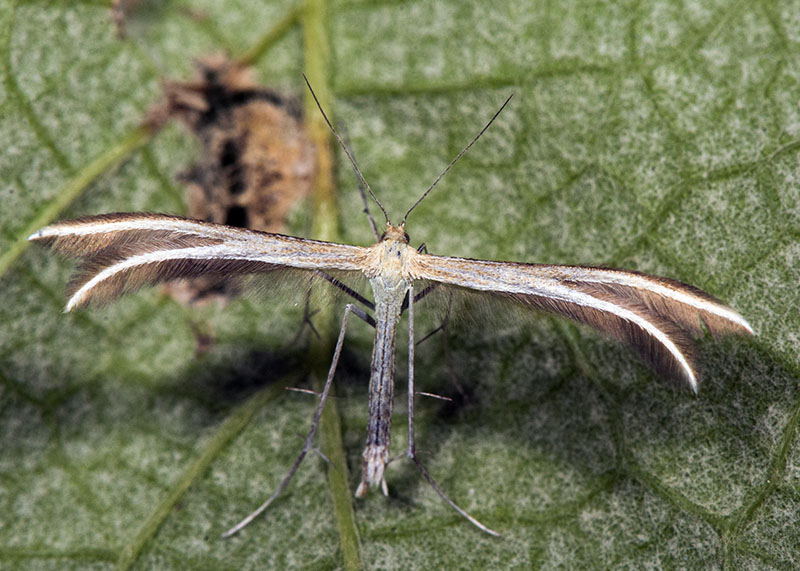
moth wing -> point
(122, 252)
(658, 317)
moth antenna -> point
(364, 199)
(347, 151)
(371, 220)
(461, 154)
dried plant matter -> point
(257, 161)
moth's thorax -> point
(392, 257)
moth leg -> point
(420, 296)
(412, 448)
(308, 444)
(445, 344)
(442, 326)
(363, 315)
(308, 313)
(348, 290)
(361, 190)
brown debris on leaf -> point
(257, 160)
(119, 10)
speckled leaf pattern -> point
(660, 136)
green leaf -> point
(661, 136)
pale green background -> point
(661, 136)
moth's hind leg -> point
(411, 451)
(308, 444)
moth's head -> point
(395, 233)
